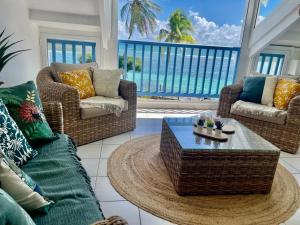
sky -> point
(215, 22)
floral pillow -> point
(12, 141)
(286, 89)
(25, 107)
(79, 79)
(22, 188)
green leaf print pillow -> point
(25, 107)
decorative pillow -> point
(11, 213)
(22, 188)
(286, 89)
(269, 89)
(106, 82)
(79, 79)
(63, 67)
(12, 141)
(253, 89)
(25, 107)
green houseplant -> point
(5, 45)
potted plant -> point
(200, 123)
(209, 125)
(219, 126)
(5, 45)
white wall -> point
(14, 16)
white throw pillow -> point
(269, 89)
(106, 82)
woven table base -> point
(138, 173)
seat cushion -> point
(99, 106)
(259, 112)
(63, 179)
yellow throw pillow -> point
(286, 89)
(79, 79)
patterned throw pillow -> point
(79, 79)
(286, 89)
(11, 213)
(22, 188)
(25, 107)
(12, 141)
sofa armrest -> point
(228, 96)
(293, 116)
(53, 91)
(54, 115)
(127, 90)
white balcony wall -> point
(14, 16)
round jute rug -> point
(138, 173)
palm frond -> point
(5, 46)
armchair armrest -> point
(228, 96)
(54, 115)
(293, 116)
(127, 90)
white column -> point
(108, 15)
(244, 66)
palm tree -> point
(140, 14)
(179, 30)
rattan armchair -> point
(286, 137)
(84, 131)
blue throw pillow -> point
(253, 89)
(12, 141)
(11, 213)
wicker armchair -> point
(286, 136)
(84, 131)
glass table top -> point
(243, 138)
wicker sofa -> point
(285, 136)
(87, 130)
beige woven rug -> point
(138, 173)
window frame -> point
(68, 35)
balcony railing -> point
(167, 69)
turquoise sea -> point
(157, 76)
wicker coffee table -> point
(244, 164)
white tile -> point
(294, 220)
(102, 171)
(107, 150)
(149, 219)
(89, 151)
(289, 155)
(288, 166)
(91, 166)
(117, 140)
(122, 208)
(294, 162)
(297, 176)
(105, 191)
(93, 182)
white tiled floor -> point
(94, 159)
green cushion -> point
(253, 89)
(12, 141)
(25, 107)
(63, 179)
(11, 213)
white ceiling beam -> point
(274, 25)
(41, 16)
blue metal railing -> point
(168, 69)
(269, 63)
(69, 51)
